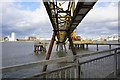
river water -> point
(14, 53)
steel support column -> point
(49, 50)
(71, 45)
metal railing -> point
(98, 67)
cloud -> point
(101, 20)
(18, 20)
(20, 0)
(102, 14)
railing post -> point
(78, 69)
(115, 65)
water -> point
(14, 53)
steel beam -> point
(49, 50)
(47, 6)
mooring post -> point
(34, 48)
(78, 46)
(49, 50)
(83, 46)
(86, 46)
(97, 47)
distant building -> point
(1, 38)
(32, 38)
(112, 37)
(13, 37)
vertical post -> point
(83, 46)
(97, 47)
(75, 45)
(34, 48)
(86, 46)
(74, 53)
(65, 48)
(115, 59)
(78, 69)
(78, 46)
(110, 46)
(57, 47)
(49, 50)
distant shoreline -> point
(49, 41)
(25, 41)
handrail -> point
(81, 63)
(101, 44)
(90, 54)
(47, 62)
(70, 66)
(98, 58)
(59, 69)
(34, 64)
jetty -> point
(85, 44)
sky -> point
(27, 18)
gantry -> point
(65, 21)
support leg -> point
(49, 51)
(71, 45)
(78, 46)
(65, 48)
(57, 48)
(34, 49)
(60, 46)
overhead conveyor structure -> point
(65, 21)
